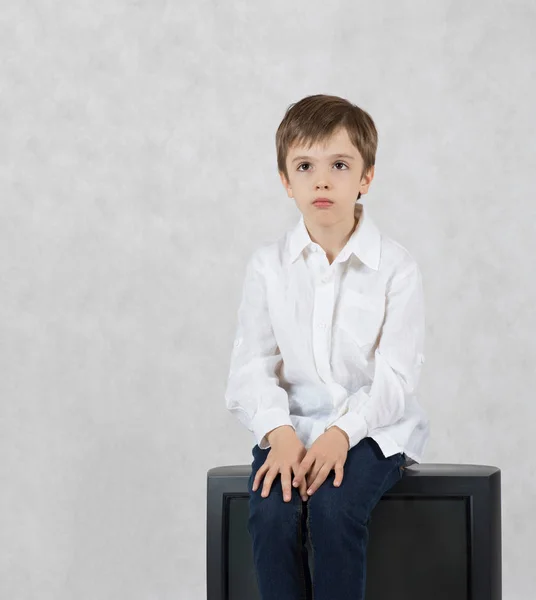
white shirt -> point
(318, 345)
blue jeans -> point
(335, 519)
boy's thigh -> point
(368, 474)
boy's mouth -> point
(320, 202)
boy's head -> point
(312, 131)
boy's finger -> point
(313, 473)
(302, 484)
(339, 473)
(260, 474)
(269, 478)
(302, 469)
(285, 484)
(303, 490)
(320, 478)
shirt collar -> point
(365, 241)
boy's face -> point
(322, 174)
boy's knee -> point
(273, 511)
(330, 506)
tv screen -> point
(435, 534)
(422, 545)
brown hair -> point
(315, 118)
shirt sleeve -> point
(398, 361)
(253, 393)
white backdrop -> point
(137, 175)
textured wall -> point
(138, 173)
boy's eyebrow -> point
(332, 156)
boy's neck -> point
(333, 239)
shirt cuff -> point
(266, 421)
(354, 425)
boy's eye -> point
(308, 164)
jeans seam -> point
(312, 546)
(300, 544)
(369, 510)
(402, 465)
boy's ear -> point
(366, 180)
(285, 183)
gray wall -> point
(138, 173)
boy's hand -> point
(329, 451)
(285, 455)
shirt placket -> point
(322, 316)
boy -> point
(326, 361)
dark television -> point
(438, 530)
